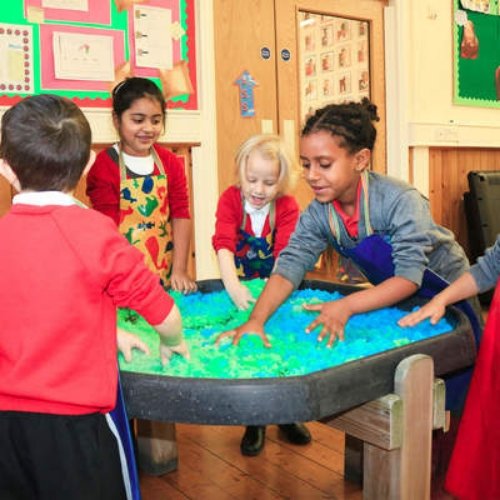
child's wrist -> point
(172, 340)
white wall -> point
(423, 114)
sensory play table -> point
(390, 401)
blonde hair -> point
(271, 147)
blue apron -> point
(254, 257)
(373, 256)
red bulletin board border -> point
(95, 15)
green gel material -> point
(293, 352)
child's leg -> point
(58, 457)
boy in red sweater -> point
(65, 269)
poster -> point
(81, 49)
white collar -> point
(250, 210)
(42, 198)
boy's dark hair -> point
(350, 121)
(46, 141)
(131, 89)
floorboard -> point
(212, 467)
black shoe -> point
(296, 433)
(253, 440)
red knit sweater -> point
(229, 217)
(64, 271)
(103, 185)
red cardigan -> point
(64, 271)
(103, 185)
(229, 217)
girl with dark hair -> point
(382, 224)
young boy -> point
(64, 271)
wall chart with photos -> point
(334, 60)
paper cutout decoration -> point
(121, 72)
(246, 83)
(470, 44)
(176, 81)
(126, 4)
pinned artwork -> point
(476, 55)
(246, 84)
(82, 48)
(16, 59)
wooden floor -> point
(212, 467)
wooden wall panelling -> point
(5, 196)
(448, 169)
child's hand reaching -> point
(181, 282)
(167, 351)
(250, 327)
(240, 295)
(435, 310)
(333, 316)
(128, 341)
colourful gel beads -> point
(293, 352)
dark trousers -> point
(52, 457)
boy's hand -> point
(240, 295)
(181, 282)
(167, 351)
(251, 327)
(434, 310)
(128, 341)
(333, 316)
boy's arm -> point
(181, 235)
(171, 336)
(275, 292)
(463, 288)
(239, 293)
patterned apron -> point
(254, 254)
(145, 217)
(373, 256)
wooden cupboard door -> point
(325, 52)
(244, 41)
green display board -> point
(80, 49)
(476, 53)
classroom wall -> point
(420, 110)
(419, 47)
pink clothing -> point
(229, 217)
(103, 185)
(64, 271)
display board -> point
(81, 49)
(476, 54)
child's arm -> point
(180, 280)
(171, 337)
(463, 288)
(275, 292)
(128, 341)
(334, 315)
(239, 293)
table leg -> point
(156, 447)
